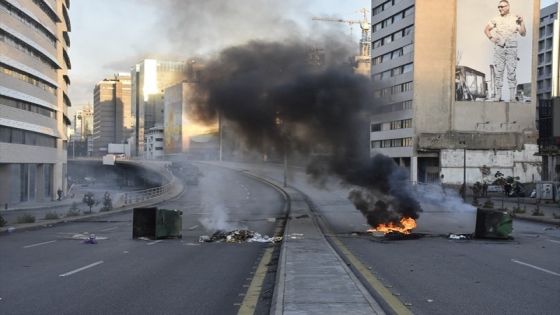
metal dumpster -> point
(493, 223)
(154, 223)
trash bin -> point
(493, 223)
(154, 223)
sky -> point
(111, 36)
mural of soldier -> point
(503, 30)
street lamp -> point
(464, 189)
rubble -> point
(238, 236)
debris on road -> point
(87, 236)
(238, 236)
(453, 236)
(91, 239)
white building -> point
(153, 150)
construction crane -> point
(363, 60)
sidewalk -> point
(525, 208)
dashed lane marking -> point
(39, 244)
(553, 241)
(154, 242)
(109, 229)
(536, 267)
(81, 269)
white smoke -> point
(217, 218)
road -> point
(49, 271)
(437, 275)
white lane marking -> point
(109, 229)
(81, 269)
(194, 227)
(536, 267)
(39, 244)
(154, 242)
(553, 241)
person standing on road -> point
(502, 30)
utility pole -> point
(464, 188)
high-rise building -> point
(82, 123)
(545, 60)
(149, 79)
(445, 80)
(182, 133)
(34, 103)
(112, 120)
(548, 91)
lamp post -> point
(464, 189)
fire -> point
(405, 226)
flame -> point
(405, 226)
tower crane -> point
(363, 60)
(365, 41)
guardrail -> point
(139, 196)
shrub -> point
(537, 212)
(25, 218)
(519, 210)
(556, 215)
(51, 216)
(2, 221)
(73, 211)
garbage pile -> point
(238, 236)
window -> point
(20, 45)
(407, 68)
(397, 124)
(27, 106)
(20, 75)
(407, 49)
(25, 19)
(375, 127)
(396, 143)
(386, 144)
(375, 144)
(407, 123)
(407, 104)
(407, 142)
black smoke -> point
(305, 97)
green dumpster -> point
(154, 223)
(493, 223)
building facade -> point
(182, 133)
(443, 107)
(81, 132)
(548, 86)
(153, 150)
(112, 119)
(545, 60)
(149, 80)
(34, 102)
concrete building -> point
(182, 133)
(435, 108)
(34, 103)
(82, 123)
(545, 60)
(153, 150)
(112, 122)
(548, 87)
(81, 132)
(149, 80)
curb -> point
(537, 219)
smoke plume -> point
(304, 97)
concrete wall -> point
(482, 165)
(435, 110)
(434, 61)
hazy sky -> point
(109, 36)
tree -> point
(89, 199)
(107, 202)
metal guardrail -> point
(139, 196)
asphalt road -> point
(51, 271)
(437, 275)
